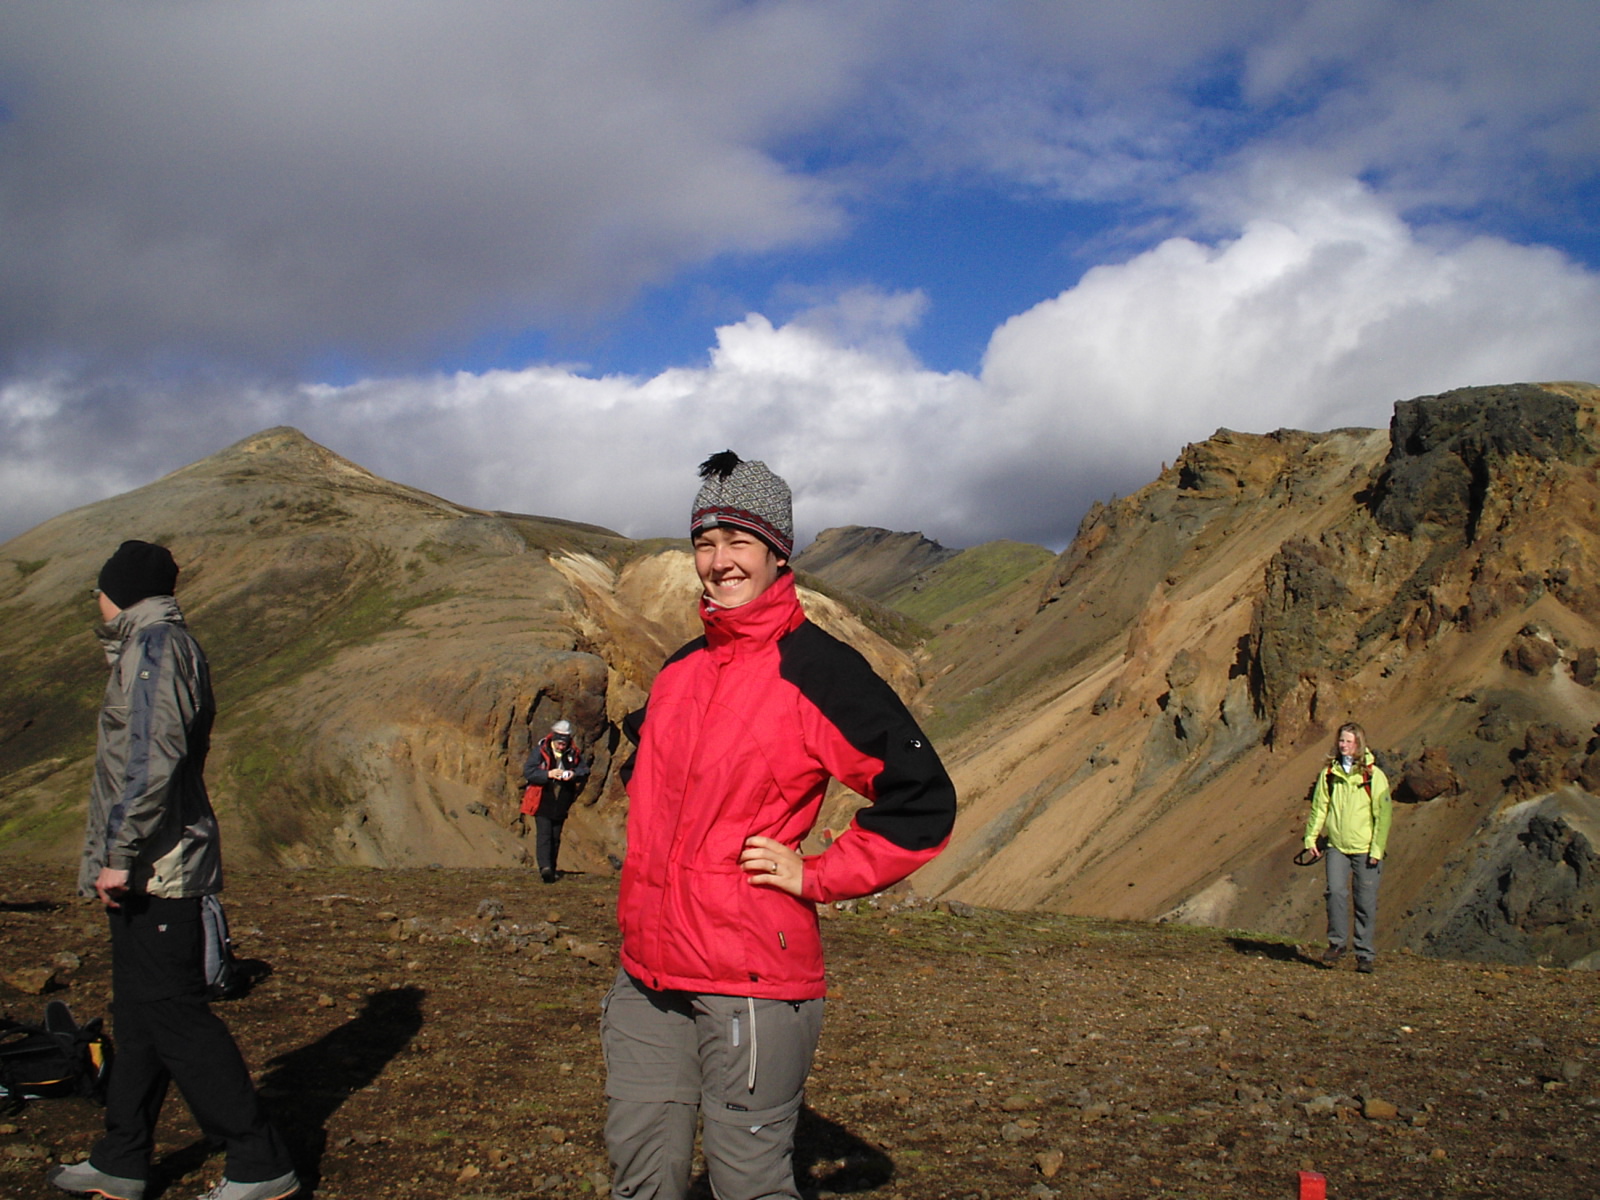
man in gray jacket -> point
(150, 853)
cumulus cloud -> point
(1317, 207)
(1324, 310)
(1321, 312)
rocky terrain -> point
(1133, 724)
(434, 1033)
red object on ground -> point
(1313, 1186)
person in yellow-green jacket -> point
(1349, 829)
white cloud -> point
(1324, 310)
(1321, 312)
(199, 200)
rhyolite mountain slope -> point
(383, 659)
(1134, 731)
(1133, 725)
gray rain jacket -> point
(148, 809)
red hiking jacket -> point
(743, 729)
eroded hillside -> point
(1136, 735)
(383, 658)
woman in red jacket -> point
(716, 1011)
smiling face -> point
(734, 565)
(1349, 744)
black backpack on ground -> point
(57, 1058)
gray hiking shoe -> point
(1332, 955)
(83, 1180)
(267, 1189)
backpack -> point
(224, 979)
(1366, 778)
(57, 1058)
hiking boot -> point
(267, 1189)
(548, 876)
(1366, 965)
(83, 1180)
(1332, 955)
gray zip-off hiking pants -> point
(1343, 871)
(738, 1062)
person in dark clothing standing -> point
(555, 773)
(151, 851)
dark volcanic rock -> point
(1447, 449)
(1536, 893)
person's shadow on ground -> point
(827, 1158)
(303, 1088)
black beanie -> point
(137, 571)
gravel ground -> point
(434, 1033)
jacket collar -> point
(765, 619)
(152, 610)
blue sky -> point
(956, 267)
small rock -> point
(29, 1151)
(30, 981)
(1049, 1162)
(324, 1001)
(1019, 1102)
(590, 952)
(469, 1173)
(1374, 1109)
(66, 961)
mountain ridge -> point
(1132, 723)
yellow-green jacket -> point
(1354, 815)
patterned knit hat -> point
(745, 495)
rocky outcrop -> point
(1152, 723)
(1530, 892)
